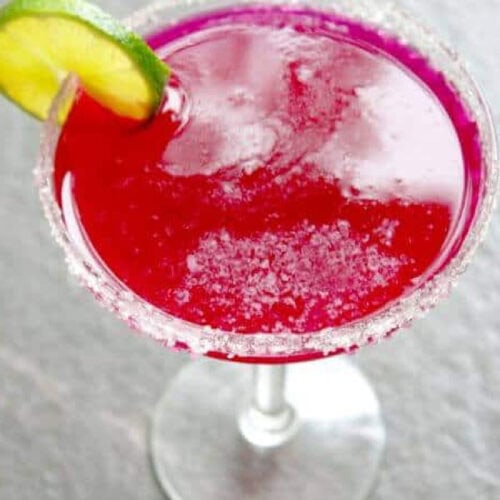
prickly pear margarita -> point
(304, 172)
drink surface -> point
(304, 172)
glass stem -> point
(269, 420)
(268, 388)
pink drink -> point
(305, 172)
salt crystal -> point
(250, 166)
(192, 263)
(304, 74)
(307, 265)
(182, 296)
(343, 226)
(224, 236)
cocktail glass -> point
(294, 431)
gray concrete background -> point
(77, 389)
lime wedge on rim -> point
(41, 41)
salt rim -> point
(170, 330)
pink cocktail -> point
(311, 184)
(296, 179)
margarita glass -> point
(322, 431)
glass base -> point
(334, 451)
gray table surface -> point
(77, 389)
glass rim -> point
(173, 331)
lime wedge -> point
(41, 41)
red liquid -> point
(298, 177)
